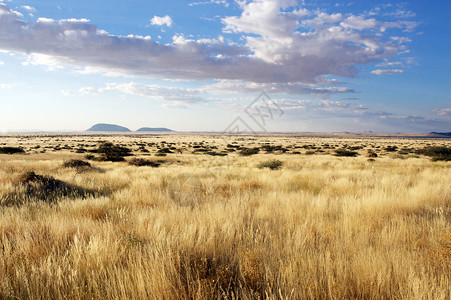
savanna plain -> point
(224, 217)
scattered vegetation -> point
(391, 149)
(272, 164)
(76, 163)
(249, 151)
(437, 153)
(164, 150)
(322, 227)
(140, 162)
(344, 152)
(111, 152)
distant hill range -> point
(440, 134)
(116, 128)
(149, 129)
(108, 127)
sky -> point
(226, 65)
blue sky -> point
(197, 65)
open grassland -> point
(207, 217)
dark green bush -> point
(436, 153)
(111, 152)
(249, 151)
(140, 162)
(391, 149)
(273, 164)
(76, 163)
(81, 150)
(11, 150)
(32, 187)
(165, 150)
(214, 153)
(344, 152)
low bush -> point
(249, 151)
(76, 163)
(344, 152)
(165, 150)
(111, 152)
(391, 149)
(437, 153)
(214, 153)
(11, 150)
(81, 150)
(140, 162)
(273, 164)
(32, 187)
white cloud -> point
(359, 23)
(387, 63)
(160, 21)
(290, 50)
(387, 72)
(1, 63)
(221, 2)
(237, 87)
(156, 92)
(443, 111)
(28, 8)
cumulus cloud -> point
(387, 72)
(285, 45)
(160, 21)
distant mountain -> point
(149, 129)
(440, 134)
(108, 127)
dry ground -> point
(205, 227)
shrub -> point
(111, 152)
(391, 149)
(81, 150)
(214, 153)
(249, 151)
(33, 187)
(76, 163)
(344, 152)
(160, 154)
(140, 162)
(436, 153)
(11, 150)
(165, 150)
(273, 164)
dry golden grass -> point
(208, 227)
